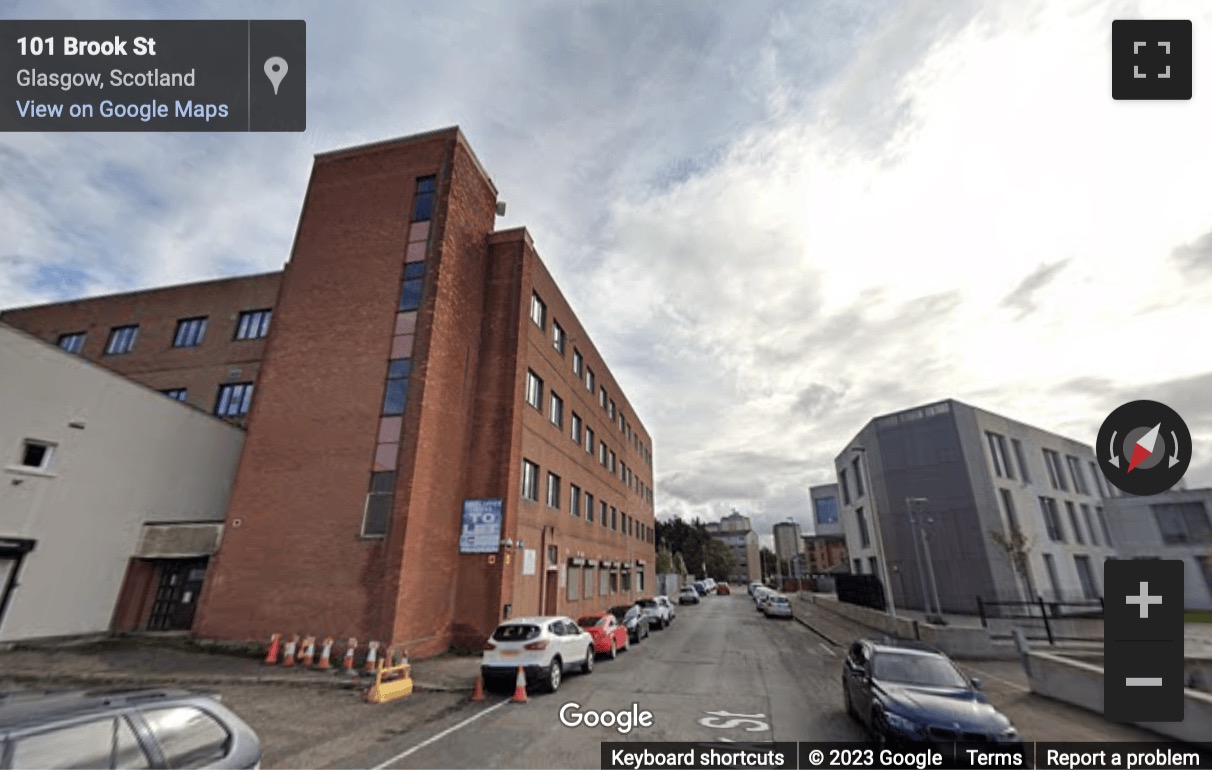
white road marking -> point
(826, 648)
(439, 736)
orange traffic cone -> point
(478, 693)
(271, 658)
(309, 651)
(288, 658)
(519, 691)
(372, 656)
(324, 664)
(347, 666)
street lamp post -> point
(879, 542)
(911, 503)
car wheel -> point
(554, 673)
(587, 665)
(614, 649)
(879, 728)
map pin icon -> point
(275, 70)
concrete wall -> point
(135, 457)
(1081, 684)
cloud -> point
(1023, 297)
(1196, 257)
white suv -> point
(659, 610)
(545, 647)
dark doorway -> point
(12, 552)
(177, 594)
(552, 593)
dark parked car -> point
(633, 618)
(910, 693)
(124, 728)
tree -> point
(769, 562)
(1017, 547)
(664, 564)
(719, 560)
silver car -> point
(777, 606)
(124, 728)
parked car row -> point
(769, 602)
(547, 647)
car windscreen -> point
(589, 621)
(621, 611)
(778, 600)
(918, 670)
(648, 603)
(515, 632)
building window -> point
(534, 390)
(1047, 507)
(602, 399)
(1102, 525)
(1056, 472)
(121, 340)
(844, 483)
(538, 311)
(626, 580)
(603, 581)
(1205, 567)
(422, 207)
(530, 480)
(1182, 523)
(378, 504)
(588, 508)
(558, 338)
(614, 518)
(864, 538)
(578, 363)
(73, 343)
(190, 332)
(613, 465)
(553, 490)
(1011, 514)
(1079, 478)
(602, 514)
(614, 412)
(589, 440)
(858, 567)
(574, 583)
(234, 399)
(177, 394)
(997, 450)
(1022, 459)
(1089, 519)
(588, 581)
(589, 379)
(576, 428)
(602, 453)
(574, 500)
(396, 396)
(36, 454)
(1077, 530)
(557, 410)
(1053, 578)
(410, 290)
(873, 565)
(253, 324)
(1098, 480)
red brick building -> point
(417, 360)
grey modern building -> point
(1174, 525)
(789, 547)
(736, 532)
(990, 493)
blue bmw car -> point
(908, 693)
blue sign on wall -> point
(481, 527)
(826, 510)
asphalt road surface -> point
(721, 672)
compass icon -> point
(1143, 448)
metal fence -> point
(1041, 620)
(864, 590)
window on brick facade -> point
(558, 338)
(177, 394)
(557, 410)
(553, 490)
(589, 440)
(538, 311)
(603, 514)
(589, 507)
(73, 343)
(234, 399)
(578, 363)
(422, 207)
(534, 390)
(253, 324)
(410, 290)
(574, 500)
(589, 379)
(190, 332)
(378, 504)
(121, 340)
(576, 428)
(602, 396)
(530, 480)
(396, 396)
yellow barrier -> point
(384, 691)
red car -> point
(608, 635)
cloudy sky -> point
(777, 220)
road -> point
(719, 658)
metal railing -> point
(1055, 620)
